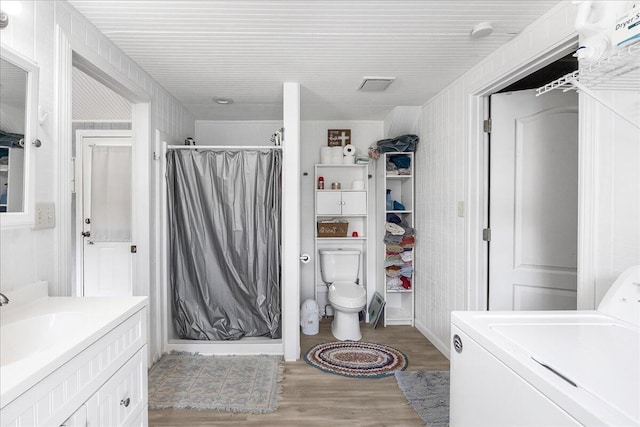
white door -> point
(106, 216)
(533, 207)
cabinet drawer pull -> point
(125, 402)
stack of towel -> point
(398, 165)
(399, 240)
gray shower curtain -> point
(224, 242)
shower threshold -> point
(244, 346)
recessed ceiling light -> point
(482, 29)
(223, 101)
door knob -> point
(86, 234)
(305, 258)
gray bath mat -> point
(247, 384)
(428, 394)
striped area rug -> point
(357, 359)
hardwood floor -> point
(311, 397)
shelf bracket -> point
(582, 88)
(618, 71)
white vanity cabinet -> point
(78, 419)
(120, 401)
(104, 384)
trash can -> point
(310, 317)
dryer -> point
(549, 368)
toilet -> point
(339, 269)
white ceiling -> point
(245, 50)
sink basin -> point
(26, 337)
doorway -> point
(101, 204)
(533, 195)
(104, 212)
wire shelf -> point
(620, 71)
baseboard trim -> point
(442, 347)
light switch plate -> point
(461, 209)
(45, 215)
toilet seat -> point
(347, 294)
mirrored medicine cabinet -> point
(18, 124)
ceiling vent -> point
(375, 84)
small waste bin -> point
(310, 317)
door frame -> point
(81, 135)
(73, 52)
(477, 191)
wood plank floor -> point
(311, 397)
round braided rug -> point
(357, 359)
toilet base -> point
(346, 326)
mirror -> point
(13, 100)
(18, 111)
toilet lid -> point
(347, 294)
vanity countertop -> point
(42, 333)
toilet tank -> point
(337, 265)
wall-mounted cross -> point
(343, 138)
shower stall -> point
(223, 249)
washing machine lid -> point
(599, 359)
(584, 361)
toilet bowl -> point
(339, 269)
(347, 300)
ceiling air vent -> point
(375, 84)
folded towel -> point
(394, 283)
(401, 161)
(390, 262)
(393, 271)
(407, 241)
(407, 256)
(394, 229)
(391, 239)
(391, 217)
(406, 271)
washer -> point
(549, 368)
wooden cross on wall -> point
(339, 137)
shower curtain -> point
(224, 242)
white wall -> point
(29, 255)
(447, 174)
(610, 152)
(255, 132)
(313, 136)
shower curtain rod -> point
(225, 147)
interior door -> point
(107, 216)
(533, 207)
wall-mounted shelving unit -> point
(345, 204)
(398, 294)
(620, 71)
